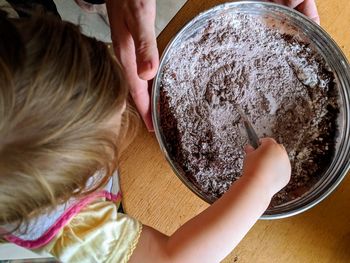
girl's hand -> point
(268, 166)
(307, 7)
(211, 235)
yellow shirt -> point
(98, 233)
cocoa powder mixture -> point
(280, 81)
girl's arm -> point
(211, 235)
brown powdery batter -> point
(282, 84)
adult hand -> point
(134, 42)
(307, 7)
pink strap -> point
(62, 221)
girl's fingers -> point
(267, 140)
(248, 149)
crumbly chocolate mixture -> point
(281, 83)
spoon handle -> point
(252, 136)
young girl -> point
(62, 122)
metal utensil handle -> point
(252, 136)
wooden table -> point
(154, 195)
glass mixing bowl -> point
(336, 60)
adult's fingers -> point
(140, 21)
(290, 3)
(138, 87)
(142, 102)
(123, 43)
(125, 51)
(309, 8)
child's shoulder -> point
(91, 225)
(96, 231)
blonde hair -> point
(58, 90)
